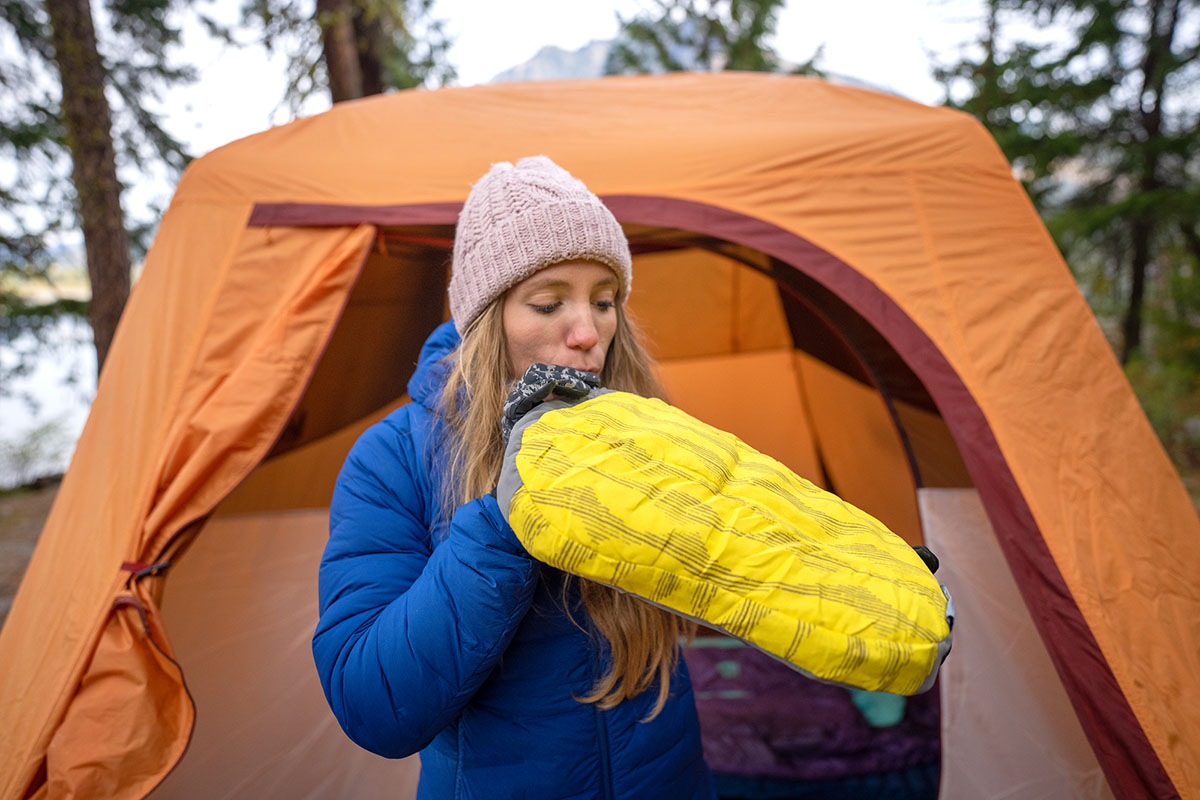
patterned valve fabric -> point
(636, 494)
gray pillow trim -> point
(510, 477)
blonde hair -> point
(643, 639)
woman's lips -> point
(593, 369)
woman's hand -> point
(538, 383)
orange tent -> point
(852, 282)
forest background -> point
(1096, 104)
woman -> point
(438, 633)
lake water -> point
(42, 412)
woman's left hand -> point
(538, 383)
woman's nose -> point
(582, 334)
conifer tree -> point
(1103, 128)
(1102, 125)
(353, 48)
(67, 142)
(707, 35)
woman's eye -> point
(605, 305)
(546, 309)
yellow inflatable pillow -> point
(634, 493)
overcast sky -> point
(883, 42)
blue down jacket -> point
(454, 643)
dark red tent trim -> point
(265, 215)
(1129, 761)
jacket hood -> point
(433, 366)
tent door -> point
(1008, 728)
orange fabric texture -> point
(716, 308)
(302, 478)
(131, 716)
(856, 457)
(226, 324)
(289, 746)
(209, 437)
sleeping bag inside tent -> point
(851, 283)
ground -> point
(22, 513)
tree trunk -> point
(990, 90)
(339, 48)
(1163, 21)
(88, 123)
(1131, 326)
(370, 38)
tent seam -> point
(919, 168)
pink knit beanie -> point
(519, 219)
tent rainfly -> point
(851, 282)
